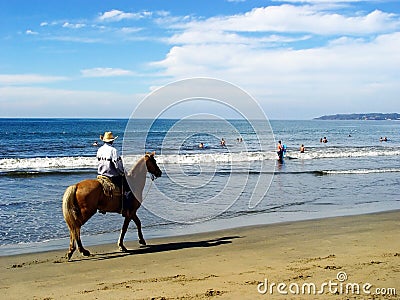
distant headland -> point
(367, 116)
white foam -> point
(216, 157)
(362, 171)
(47, 163)
(79, 162)
(344, 152)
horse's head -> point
(151, 165)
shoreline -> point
(207, 227)
(227, 263)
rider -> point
(110, 163)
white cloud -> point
(73, 26)
(105, 72)
(118, 15)
(31, 32)
(222, 37)
(295, 19)
(345, 55)
(22, 79)
(114, 15)
(347, 61)
(129, 30)
(356, 64)
(318, 1)
(74, 39)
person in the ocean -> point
(302, 148)
(222, 142)
(325, 140)
(280, 151)
(201, 145)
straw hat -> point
(108, 137)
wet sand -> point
(228, 264)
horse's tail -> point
(71, 210)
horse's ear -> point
(153, 153)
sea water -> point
(351, 174)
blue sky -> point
(299, 59)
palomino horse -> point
(82, 200)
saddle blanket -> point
(111, 191)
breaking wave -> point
(50, 165)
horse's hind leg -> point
(72, 246)
(82, 250)
(139, 229)
(122, 235)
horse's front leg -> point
(122, 235)
(139, 229)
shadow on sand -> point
(159, 248)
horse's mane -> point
(136, 178)
(137, 167)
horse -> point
(82, 200)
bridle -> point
(151, 158)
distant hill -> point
(368, 116)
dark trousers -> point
(121, 182)
(280, 155)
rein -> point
(152, 177)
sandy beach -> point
(280, 261)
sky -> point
(299, 59)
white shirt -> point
(110, 164)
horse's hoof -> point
(122, 248)
(69, 255)
(85, 253)
(142, 242)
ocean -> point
(202, 189)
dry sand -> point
(227, 264)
